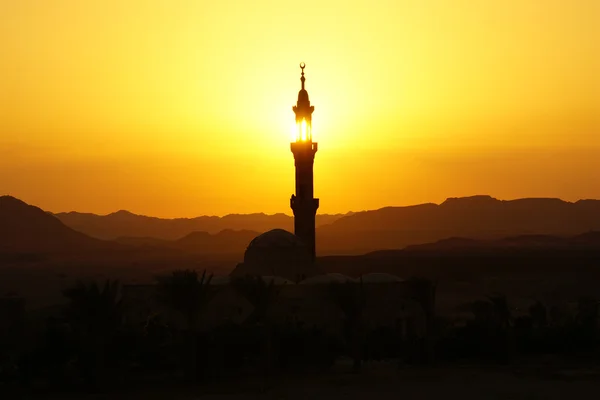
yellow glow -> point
(181, 107)
(303, 134)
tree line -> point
(91, 346)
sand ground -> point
(384, 381)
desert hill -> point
(124, 224)
(481, 214)
(29, 235)
(227, 241)
(538, 257)
(28, 229)
(477, 217)
(585, 241)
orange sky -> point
(183, 107)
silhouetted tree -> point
(424, 291)
(259, 293)
(155, 347)
(539, 315)
(185, 293)
(501, 312)
(95, 315)
(587, 311)
(492, 327)
(503, 326)
(586, 321)
(262, 296)
(350, 298)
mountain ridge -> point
(126, 224)
(391, 227)
(388, 228)
(26, 228)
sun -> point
(301, 132)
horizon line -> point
(291, 215)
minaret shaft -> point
(303, 203)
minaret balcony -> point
(304, 147)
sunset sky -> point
(178, 108)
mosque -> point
(278, 252)
(288, 260)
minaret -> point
(303, 202)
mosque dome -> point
(277, 253)
(275, 238)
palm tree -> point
(499, 325)
(185, 293)
(350, 298)
(95, 315)
(262, 296)
(424, 293)
(587, 311)
(538, 314)
(501, 311)
(587, 320)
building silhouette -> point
(277, 252)
(306, 296)
(303, 203)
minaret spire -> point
(303, 111)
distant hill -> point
(28, 234)
(478, 217)
(541, 256)
(28, 229)
(586, 241)
(225, 242)
(125, 224)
